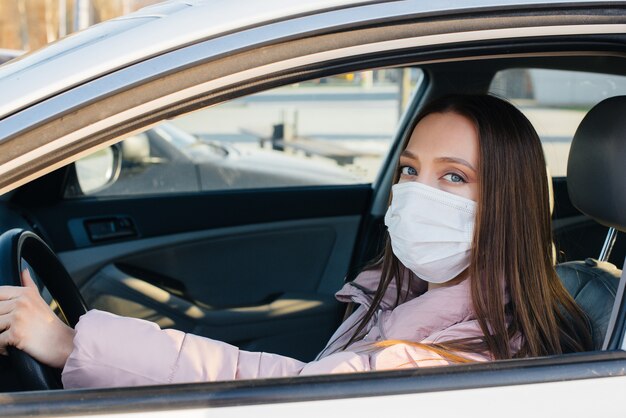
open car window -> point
(327, 131)
(555, 101)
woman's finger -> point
(27, 279)
(10, 292)
(6, 306)
(5, 341)
(5, 322)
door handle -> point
(110, 228)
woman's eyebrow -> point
(408, 154)
(455, 160)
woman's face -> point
(443, 153)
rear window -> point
(555, 102)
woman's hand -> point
(28, 323)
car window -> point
(556, 101)
(327, 131)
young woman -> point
(466, 275)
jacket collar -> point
(363, 289)
(423, 313)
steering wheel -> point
(16, 246)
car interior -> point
(258, 268)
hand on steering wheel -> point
(28, 323)
(26, 320)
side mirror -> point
(98, 170)
(136, 149)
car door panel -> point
(280, 282)
(272, 325)
(289, 258)
(222, 268)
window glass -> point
(328, 131)
(555, 102)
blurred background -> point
(30, 24)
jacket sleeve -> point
(114, 351)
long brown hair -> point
(512, 245)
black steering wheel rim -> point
(17, 245)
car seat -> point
(596, 185)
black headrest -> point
(596, 178)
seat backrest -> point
(593, 285)
(597, 187)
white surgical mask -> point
(431, 230)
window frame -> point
(384, 385)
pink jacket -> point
(149, 355)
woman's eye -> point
(408, 171)
(454, 178)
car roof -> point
(156, 29)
